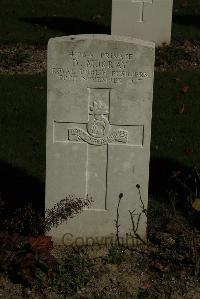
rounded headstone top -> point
(102, 37)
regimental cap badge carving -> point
(99, 131)
(98, 109)
(98, 125)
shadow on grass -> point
(18, 188)
(188, 20)
(162, 179)
(69, 26)
(160, 174)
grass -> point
(23, 122)
(175, 133)
(24, 21)
(72, 273)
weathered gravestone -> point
(145, 19)
(98, 132)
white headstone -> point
(146, 19)
(100, 91)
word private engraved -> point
(98, 128)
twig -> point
(173, 200)
(138, 221)
(135, 229)
(197, 173)
(140, 197)
(196, 190)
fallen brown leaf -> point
(187, 44)
(146, 286)
(162, 268)
(185, 88)
(188, 151)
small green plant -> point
(115, 255)
(72, 274)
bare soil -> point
(164, 268)
(36, 61)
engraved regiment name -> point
(103, 67)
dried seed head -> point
(121, 195)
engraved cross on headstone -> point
(98, 134)
(142, 8)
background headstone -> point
(146, 19)
(100, 91)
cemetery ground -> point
(169, 265)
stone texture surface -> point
(146, 19)
(99, 107)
